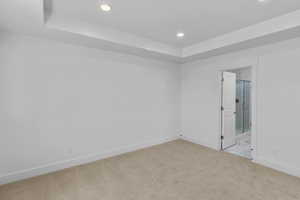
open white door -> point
(228, 109)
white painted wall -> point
(243, 74)
(60, 102)
(278, 101)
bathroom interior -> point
(242, 145)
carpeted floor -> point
(177, 170)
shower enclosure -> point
(243, 106)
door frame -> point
(254, 143)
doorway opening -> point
(236, 109)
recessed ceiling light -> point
(180, 34)
(105, 6)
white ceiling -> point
(159, 20)
(148, 27)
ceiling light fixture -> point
(180, 34)
(106, 7)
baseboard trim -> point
(279, 166)
(52, 167)
(195, 141)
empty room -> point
(149, 100)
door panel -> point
(229, 109)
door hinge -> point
(222, 108)
(222, 137)
(222, 79)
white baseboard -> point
(195, 141)
(279, 166)
(52, 167)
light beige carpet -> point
(177, 170)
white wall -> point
(278, 101)
(243, 74)
(60, 102)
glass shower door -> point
(239, 107)
(243, 106)
(247, 106)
